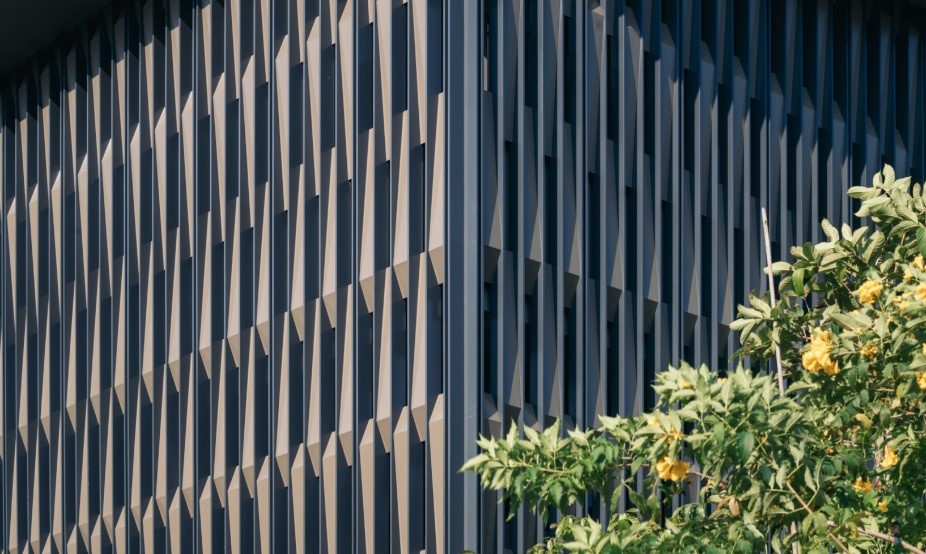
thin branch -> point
(884, 536)
(810, 511)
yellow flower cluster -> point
(918, 263)
(869, 291)
(907, 276)
(869, 350)
(882, 506)
(817, 357)
(921, 291)
(862, 485)
(672, 471)
(890, 458)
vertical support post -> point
(771, 290)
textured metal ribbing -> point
(269, 266)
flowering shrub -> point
(836, 463)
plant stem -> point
(884, 536)
(810, 511)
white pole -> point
(771, 290)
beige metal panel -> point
(418, 338)
(436, 444)
(313, 81)
(345, 367)
(313, 394)
(298, 503)
(206, 522)
(435, 184)
(108, 509)
(383, 110)
(383, 328)
(146, 311)
(178, 513)
(188, 374)
(401, 210)
(262, 252)
(35, 536)
(344, 92)
(366, 218)
(221, 427)
(248, 406)
(236, 494)
(282, 125)
(297, 299)
(204, 276)
(13, 539)
(366, 524)
(281, 396)
(162, 438)
(263, 510)
(332, 487)
(417, 72)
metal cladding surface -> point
(270, 266)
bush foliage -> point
(836, 463)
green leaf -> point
(921, 241)
(885, 178)
(863, 193)
(903, 227)
(819, 521)
(830, 231)
(778, 267)
(864, 420)
(797, 282)
(745, 442)
(740, 324)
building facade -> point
(270, 266)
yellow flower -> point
(869, 350)
(817, 357)
(684, 384)
(907, 276)
(869, 291)
(902, 306)
(672, 471)
(653, 420)
(882, 506)
(921, 380)
(918, 263)
(921, 291)
(923, 349)
(809, 360)
(830, 367)
(862, 485)
(890, 458)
